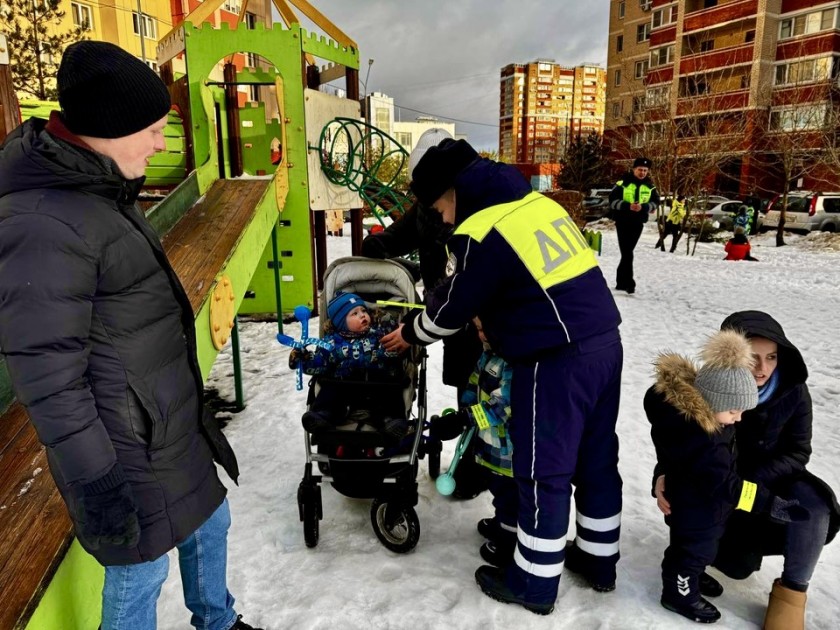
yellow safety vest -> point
(630, 192)
(677, 212)
(541, 233)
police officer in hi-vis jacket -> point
(521, 265)
(631, 201)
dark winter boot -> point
(499, 554)
(491, 581)
(241, 625)
(489, 528)
(599, 572)
(709, 586)
(681, 594)
(700, 610)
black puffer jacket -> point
(695, 453)
(774, 446)
(99, 339)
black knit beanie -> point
(437, 170)
(106, 92)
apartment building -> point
(543, 104)
(748, 69)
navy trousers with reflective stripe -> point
(563, 416)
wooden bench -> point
(36, 529)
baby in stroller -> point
(353, 332)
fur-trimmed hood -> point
(675, 376)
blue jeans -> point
(130, 594)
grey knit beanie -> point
(725, 380)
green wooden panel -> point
(73, 600)
(165, 158)
(205, 47)
(322, 46)
(165, 214)
(7, 397)
(37, 109)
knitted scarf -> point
(769, 388)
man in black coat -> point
(99, 338)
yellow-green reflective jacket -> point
(525, 269)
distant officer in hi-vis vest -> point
(631, 201)
(521, 265)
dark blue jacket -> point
(520, 318)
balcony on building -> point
(703, 14)
(722, 46)
(721, 90)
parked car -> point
(597, 204)
(807, 211)
(724, 214)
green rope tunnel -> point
(368, 161)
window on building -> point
(616, 109)
(657, 96)
(645, 5)
(804, 71)
(617, 79)
(808, 23)
(638, 104)
(799, 117)
(250, 20)
(749, 36)
(82, 16)
(643, 32)
(640, 69)
(668, 15)
(234, 6)
(619, 43)
(620, 10)
(403, 137)
(152, 64)
(383, 118)
(145, 24)
(661, 56)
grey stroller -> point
(356, 458)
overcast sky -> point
(443, 56)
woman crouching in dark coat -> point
(774, 446)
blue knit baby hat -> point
(340, 306)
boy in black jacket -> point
(693, 414)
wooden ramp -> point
(200, 243)
(36, 529)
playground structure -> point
(243, 228)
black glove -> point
(450, 425)
(110, 515)
(296, 356)
(787, 510)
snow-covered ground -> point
(351, 581)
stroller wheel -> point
(396, 526)
(309, 507)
